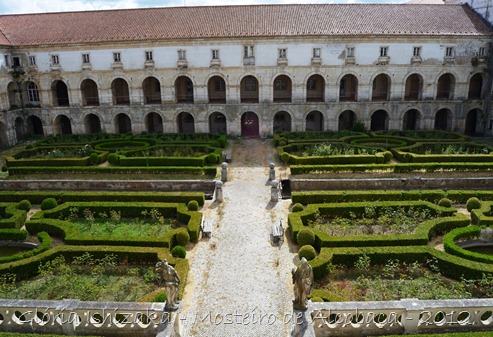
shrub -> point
(297, 208)
(4, 168)
(160, 297)
(24, 205)
(307, 252)
(316, 299)
(285, 157)
(193, 205)
(305, 237)
(113, 159)
(182, 237)
(473, 203)
(212, 158)
(93, 158)
(179, 251)
(445, 202)
(48, 203)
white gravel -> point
(240, 283)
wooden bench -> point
(277, 232)
(206, 227)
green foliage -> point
(307, 252)
(335, 149)
(113, 159)
(93, 158)
(179, 251)
(445, 202)
(193, 205)
(182, 238)
(305, 237)
(48, 203)
(285, 157)
(160, 297)
(297, 208)
(4, 168)
(316, 299)
(473, 203)
(24, 205)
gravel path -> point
(239, 283)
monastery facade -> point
(245, 70)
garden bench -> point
(206, 227)
(277, 232)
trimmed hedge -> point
(12, 162)
(17, 216)
(205, 170)
(450, 246)
(13, 234)
(45, 244)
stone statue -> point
(168, 278)
(303, 284)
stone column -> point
(224, 172)
(219, 191)
(274, 191)
(272, 171)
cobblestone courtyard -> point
(239, 282)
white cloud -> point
(43, 6)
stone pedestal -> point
(219, 191)
(274, 191)
(224, 172)
(272, 171)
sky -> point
(44, 6)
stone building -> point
(245, 70)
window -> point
(16, 61)
(215, 54)
(449, 52)
(282, 53)
(481, 52)
(417, 51)
(311, 84)
(280, 84)
(219, 85)
(248, 51)
(7, 60)
(117, 57)
(182, 55)
(250, 84)
(350, 52)
(384, 51)
(148, 55)
(32, 60)
(32, 93)
(55, 60)
(86, 59)
(316, 53)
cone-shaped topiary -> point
(305, 237)
(307, 252)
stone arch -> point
(34, 125)
(348, 88)
(123, 124)
(445, 87)
(120, 92)
(185, 122)
(20, 128)
(443, 120)
(315, 88)
(379, 120)
(282, 89)
(250, 124)
(89, 92)
(413, 90)
(381, 88)
(63, 126)
(473, 122)
(154, 123)
(59, 92)
(411, 120)
(92, 124)
(476, 87)
(216, 90)
(282, 122)
(347, 118)
(249, 89)
(217, 122)
(183, 89)
(152, 90)
(314, 121)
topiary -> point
(113, 159)
(4, 168)
(445, 202)
(305, 237)
(212, 158)
(48, 203)
(307, 252)
(182, 237)
(387, 155)
(285, 157)
(193, 205)
(24, 205)
(297, 208)
(93, 158)
(179, 251)
(473, 203)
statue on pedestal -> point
(303, 284)
(168, 278)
